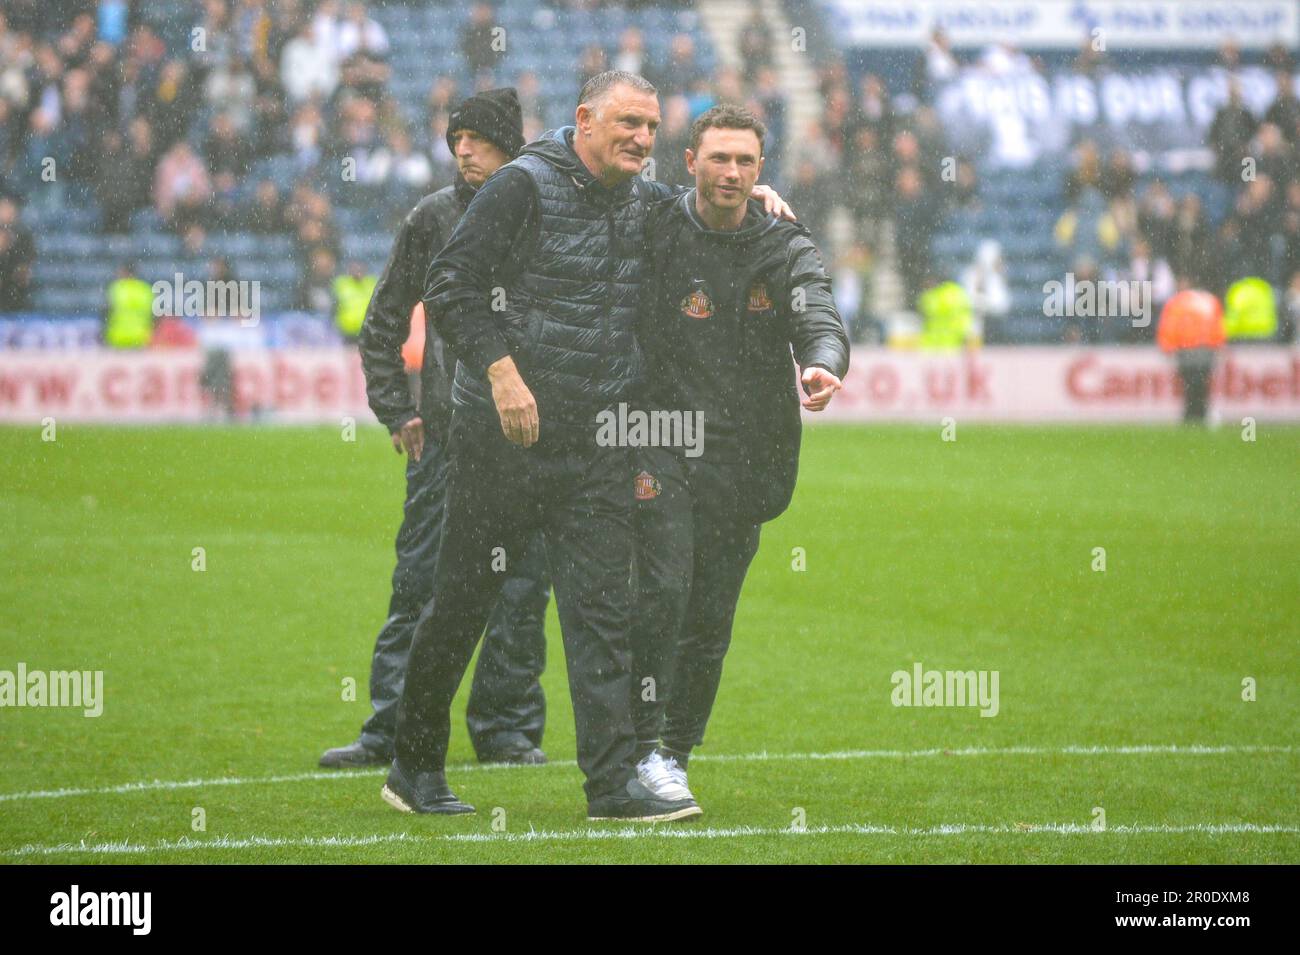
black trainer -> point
(355, 754)
(639, 804)
(427, 793)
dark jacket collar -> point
(464, 191)
(757, 222)
(555, 146)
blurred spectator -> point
(398, 163)
(936, 66)
(1156, 216)
(768, 100)
(1278, 57)
(1258, 215)
(224, 150)
(1147, 267)
(216, 36)
(1087, 229)
(874, 108)
(1225, 264)
(182, 187)
(1086, 173)
(985, 282)
(529, 91)
(870, 171)
(630, 57)
(1274, 156)
(194, 240)
(1290, 230)
(175, 103)
(128, 317)
(112, 21)
(358, 33)
(809, 195)
(1189, 247)
(1230, 134)
(852, 284)
(947, 316)
(965, 190)
(47, 153)
(115, 189)
(307, 137)
(838, 123)
(672, 141)
(1191, 329)
(307, 68)
(266, 214)
(1118, 177)
(755, 43)
(1083, 329)
(315, 289)
(1250, 310)
(17, 253)
(916, 216)
(1284, 111)
(216, 380)
(1090, 61)
(351, 296)
(592, 63)
(481, 50)
(363, 75)
(682, 72)
(232, 89)
(1290, 330)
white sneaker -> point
(654, 774)
(676, 773)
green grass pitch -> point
(222, 687)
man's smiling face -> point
(726, 166)
(619, 132)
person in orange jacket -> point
(1191, 328)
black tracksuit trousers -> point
(499, 495)
(693, 547)
(507, 709)
(1195, 368)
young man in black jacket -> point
(732, 293)
(507, 710)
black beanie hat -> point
(493, 114)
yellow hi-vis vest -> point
(352, 295)
(946, 310)
(1249, 310)
(130, 314)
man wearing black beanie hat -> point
(507, 710)
(493, 114)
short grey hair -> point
(595, 88)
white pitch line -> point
(629, 833)
(761, 757)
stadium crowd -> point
(168, 117)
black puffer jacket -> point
(567, 255)
(423, 232)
